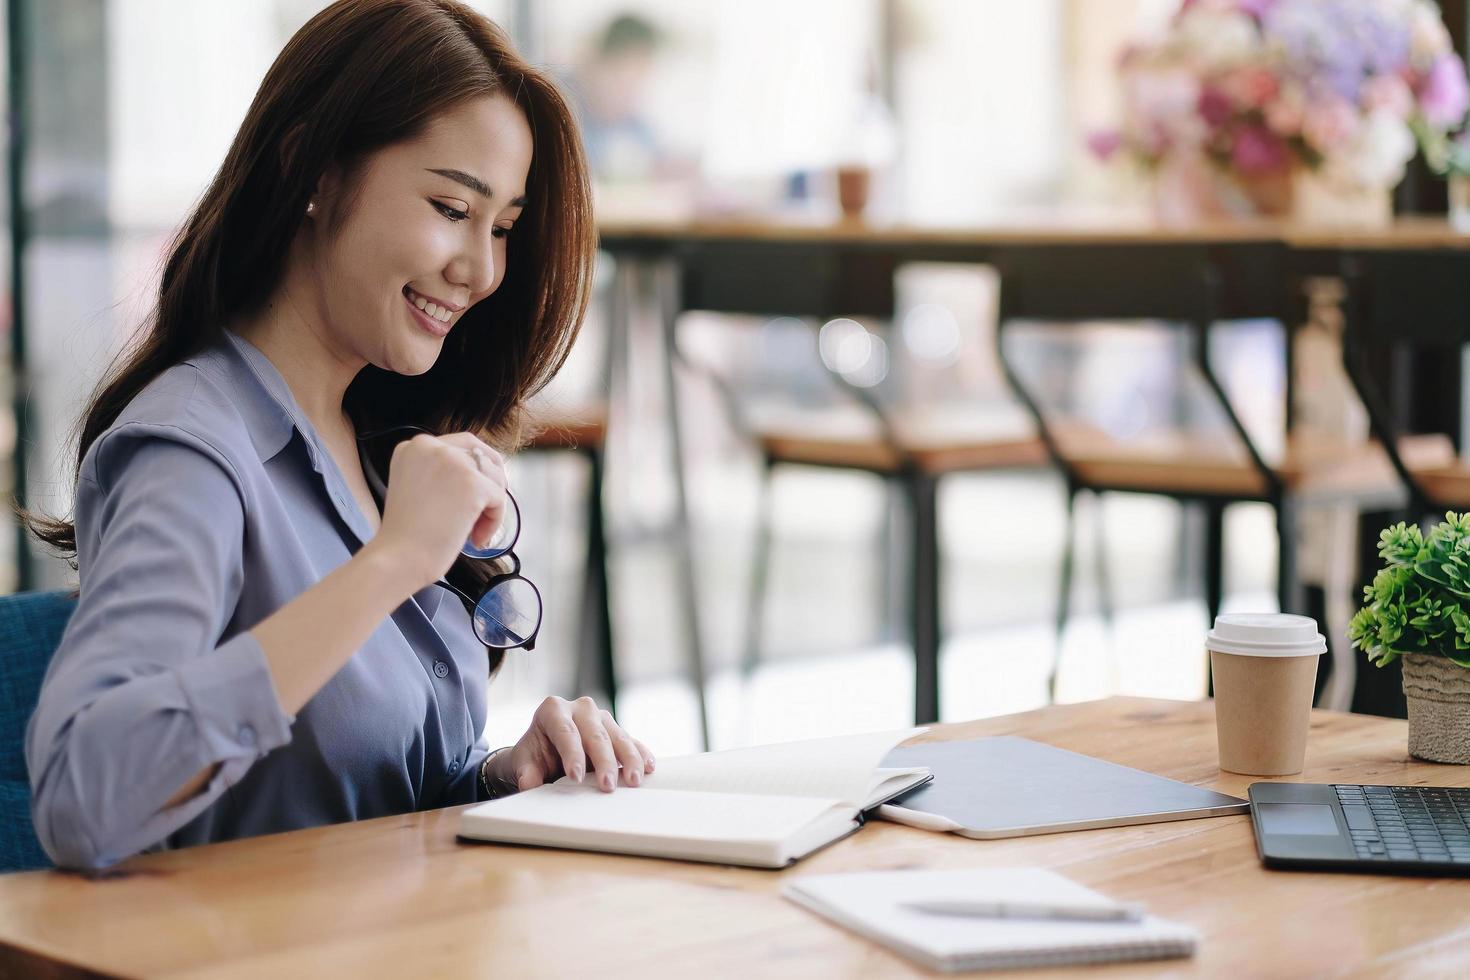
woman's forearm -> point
(311, 637)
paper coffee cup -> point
(1265, 671)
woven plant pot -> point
(1438, 691)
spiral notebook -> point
(872, 904)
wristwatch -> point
(496, 786)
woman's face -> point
(425, 237)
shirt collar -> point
(273, 419)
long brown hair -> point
(359, 76)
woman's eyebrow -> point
(476, 184)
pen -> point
(1028, 910)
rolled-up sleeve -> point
(142, 694)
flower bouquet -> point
(1267, 106)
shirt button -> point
(246, 736)
(441, 669)
(453, 766)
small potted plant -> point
(1418, 609)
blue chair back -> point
(31, 624)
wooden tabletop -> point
(399, 896)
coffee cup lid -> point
(1266, 635)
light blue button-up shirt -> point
(209, 504)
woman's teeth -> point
(434, 310)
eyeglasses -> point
(508, 613)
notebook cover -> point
(1007, 786)
(872, 904)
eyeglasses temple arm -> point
(444, 584)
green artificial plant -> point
(1420, 601)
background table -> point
(774, 266)
(399, 896)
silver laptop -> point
(1006, 786)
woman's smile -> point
(433, 318)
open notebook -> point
(764, 807)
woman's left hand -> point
(570, 738)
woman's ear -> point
(328, 191)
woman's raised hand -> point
(439, 497)
(577, 739)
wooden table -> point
(785, 266)
(400, 897)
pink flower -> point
(1444, 94)
(1250, 88)
(1284, 113)
(1329, 124)
(1104, 143)
(1214, 106)
(1388, 92)
(1257, 150)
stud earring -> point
(311, 208)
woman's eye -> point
(499, 232)
(451, 213)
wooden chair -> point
(1213, 470)
(583, 432)
(912, 449)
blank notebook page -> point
(839, 768)
(662, 814)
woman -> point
(400, 235)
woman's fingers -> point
(643, 750)
(627, 749)
(596, 742)
(491, 465)
(556, 721)
(583, 737)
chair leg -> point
(1105, 605)
(597, 630)
(760, 569)
(924, 595)
(893, 552)
(1064, 588)
(1214, 557)
(1288, 588)
(1214, 574)
(1100, 559)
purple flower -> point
(1339, 43)
(1444, 95)
(1257, 150)
(1257, 8)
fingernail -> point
(577, 773)
(650, 763)
(606, 780)
(633, 776)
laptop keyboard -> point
(1408, 823)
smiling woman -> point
(400, 236)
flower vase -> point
(1438, 693)
(1321, 201)
(1189, 189)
